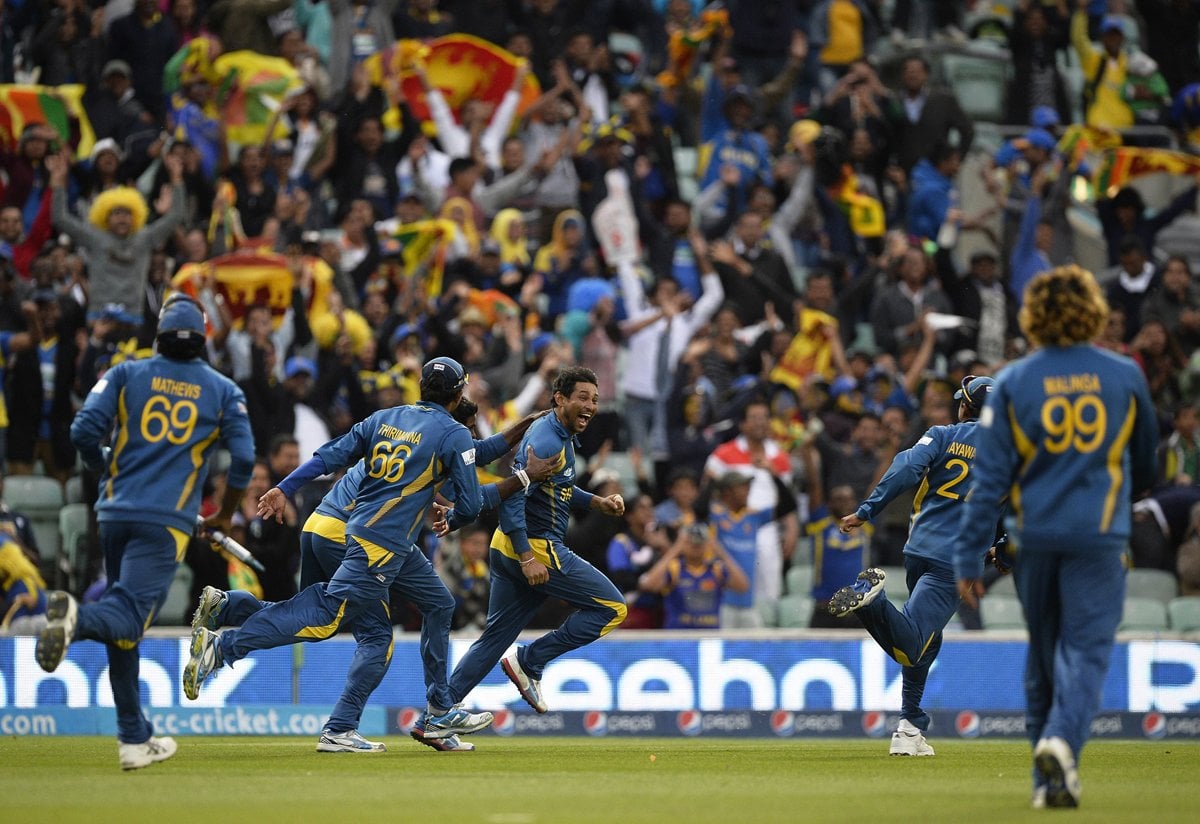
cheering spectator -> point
(692, 577)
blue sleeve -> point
(490, 495)
(305, 473)
(1024, 252)
(616, 556)
(95, 419)
(765, 174)
(458, 456)
(237, 438)
(490, 449)
(581, 498)
(906, 471)
(992, 476)
(344, 452)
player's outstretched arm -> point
(95, 419)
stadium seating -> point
(896, 585)
(799, 580)
(795, 611)
(177, 608)
(40, 499)
(1151, 583)
(769, 611)
(1143, 615)
(1185, 614)
(685, 172)
(1004, 585)
(73, 525)
(75, 489)
(1001, 612)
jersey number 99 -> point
(1080, 424)
(163, 419)
(387, 461)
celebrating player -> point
(170, 411)
(529, 561)
(322, 548)
(408, 451)
(940, 462)
(1071, 430)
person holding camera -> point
(692, 577)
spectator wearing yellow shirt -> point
(1104, 71)
(839, 33)
(22, 590)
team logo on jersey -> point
(100, 386)
(874, 723)
(469, 457)
(1154, 725)
(595, 722)
(690, 722)
(504, 722)
(783, 722)
(966, 724)
(986, 417)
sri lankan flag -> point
(59, 107)
(1079, 139)
(683, 46)
(461, 66)
(246, 278)
(1119, 166)
(864, 212)
(809, 353)
(425, 241)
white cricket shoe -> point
(1055, 764)
(348, 741)
(62, 613)
(530, 688)
(136, 756)
(908, 740)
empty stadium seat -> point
(72, 527)
(178, 606)
(769, 612)
(33, 494)
(1143, 615)
(1151, 583)
(75, 489)
(1184, 614)
(896, 584)
(1001, 612)
(799, 580)
(795, 611)
(1005, 585)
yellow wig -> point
(511, 251)
(1063, 307)
(326, 327)
(122, 197)
(460, 211)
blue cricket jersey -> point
(169, 416)
(536, 521)
(837, 558)
(692, 595)
(738, 533)
(407, 452)
(940, 462)
(1068, 433)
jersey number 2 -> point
(946, 490)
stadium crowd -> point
(809, 288)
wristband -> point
(528, 561)
(523, 476)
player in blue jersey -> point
(1070, 434)
(323, 546)
(408, 453)
(170, 412)
(939, 464)
(529, 561)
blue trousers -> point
(140, 561)
(913, 636)
(414, 578)
(513, 603)
(1072, 604)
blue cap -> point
(1045, 117)
(182, 316)
(1040, 139)
(1006, 154)
(297, 364)
(443, 374)
(539, 343)
(1111, 23)
(405, 330)
(974, 390)
(843, 385)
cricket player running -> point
(941, 463)
(529, 561)
(322, 548)
(170, 412)
(409, 451)
(1070, 433)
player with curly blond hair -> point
(1069, 433)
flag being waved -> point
(59, 107)
(1119, 166)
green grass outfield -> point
(608, 781)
